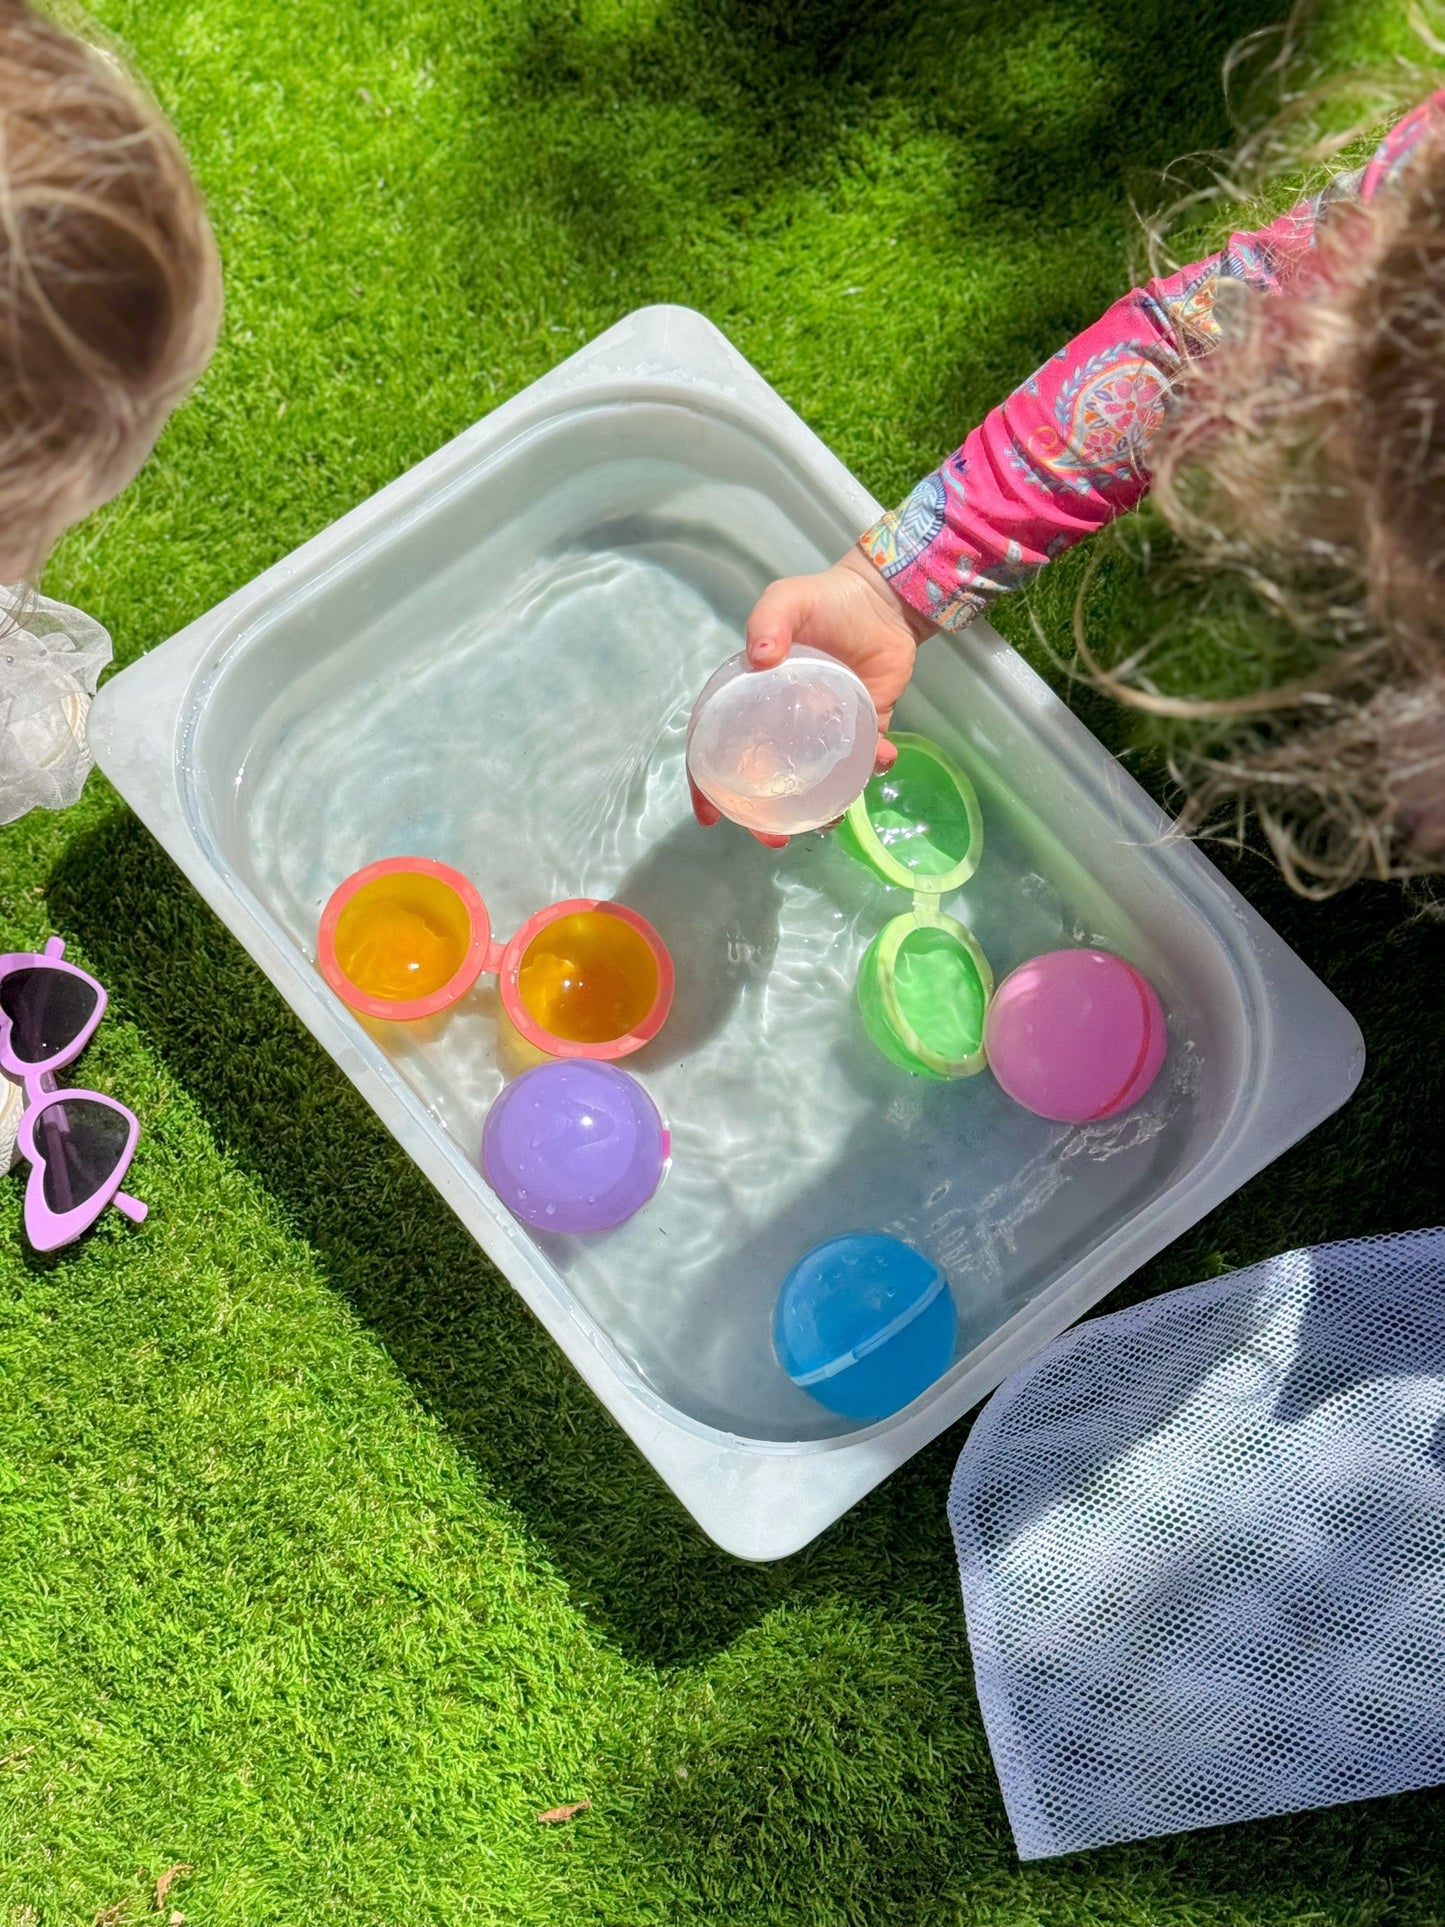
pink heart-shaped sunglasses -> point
(79, 1143)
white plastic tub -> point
(491, 663)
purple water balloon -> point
(574, 1146)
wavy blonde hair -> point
(1304, 456)
(110, 286)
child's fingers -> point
(887, 756)
(776, 614)
(706, 813)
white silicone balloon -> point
(783, 750)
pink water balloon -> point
(1075, 1035)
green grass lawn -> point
(319, 1569)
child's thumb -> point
(776, 614)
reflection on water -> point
(538, 747)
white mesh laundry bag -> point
(1202, 1545)
(50, 657)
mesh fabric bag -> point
(1202, 1546)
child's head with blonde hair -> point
(1306, 455)
(110, 286)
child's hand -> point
(849, 612)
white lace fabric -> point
(50, 658)
(1202, 1547)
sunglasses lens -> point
(48, 1009)
(83, 1142)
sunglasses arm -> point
(54, 947)
(130, 1207)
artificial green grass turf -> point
(319, 1569)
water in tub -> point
(536, 743)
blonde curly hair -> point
(110, 285)
(1304, 456)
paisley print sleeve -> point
(1068, 451)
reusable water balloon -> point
(783, 750)
(574, 1147)
(1075, 1035)
(917, 825)
(403, 938)
(924, 984)
(923, 989)
(406, 938)
(864, 1323)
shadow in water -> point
(693, 902)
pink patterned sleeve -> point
(1068, 451)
